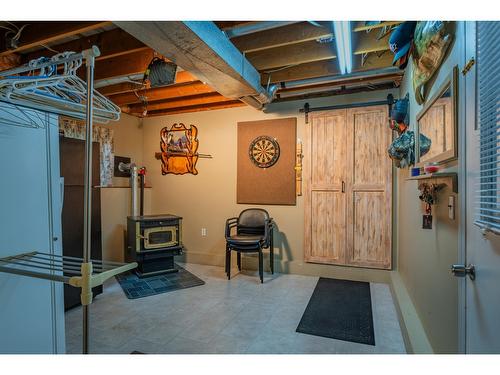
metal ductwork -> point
(201, 48)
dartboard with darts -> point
(264, 151)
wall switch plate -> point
(203, 232)
(451, 207)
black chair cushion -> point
(245, 239)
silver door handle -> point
(461, 270)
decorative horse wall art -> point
(179, 147)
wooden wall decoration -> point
(266, 162)
(179, 147)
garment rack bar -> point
(40, 65)
(37, 275)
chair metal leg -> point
(229, 264)
(225, 265)
(238, 260)
(271, 260)
(271, 251)
(261, 266)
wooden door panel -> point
(328, 221)
(328, 151)
(324, 173)
(369, 148)
(371, 241)
(369, 189)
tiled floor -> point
(236, 316)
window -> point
(488, 115)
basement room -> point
(249, 184)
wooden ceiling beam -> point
(197, 108)
(224, 25)
(176, 103)
(347, 91)
(131, 63)
(367, 42)
(327, 68)
(293, 54)
(120, 88)
(360, 25)
(303, 71)
(282, 36)
(38, 33)
(113, 43)
(383, 78)
(162, 93)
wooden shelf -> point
(443, 175)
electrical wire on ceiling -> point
(11, 42)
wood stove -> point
(153, 241)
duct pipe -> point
(340, 78)
(132, 168)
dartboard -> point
(264, 151)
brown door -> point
(369, 188)
(325, 176)
(348, 182)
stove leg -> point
(238, 259)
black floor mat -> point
(340, 309)
(135, 287)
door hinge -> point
(468, 66)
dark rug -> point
(134, 287)
(340, 309)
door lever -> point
(343, 187)
(460, 270)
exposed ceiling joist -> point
(326, 68)
(361, 26)
(282, 36)
(255, 27)
(37, 34)
(340, 81)
(131, 63)
(120, 88)
(367, 42)
(176, 103)
(293, 54)
(339, 91)
(162, 93)
(200, 48)
(197, 108)
(112, 43)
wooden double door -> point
(348, 188)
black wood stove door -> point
(72, 169)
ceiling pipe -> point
(340, 78)
(255, 27)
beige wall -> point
(115, 201)
(209, 198)
(424, 256)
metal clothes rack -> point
(69, 270)
(63, 94)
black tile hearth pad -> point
(135, 287)
(340, 309)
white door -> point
(32, 310)
(482, 301)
